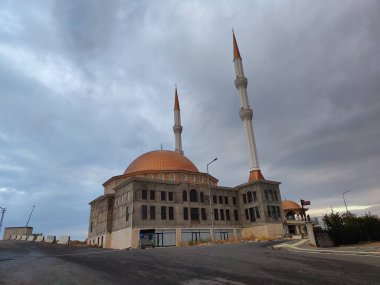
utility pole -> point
(210, 197)
(2, 216)
(27, 223)
(345, 199)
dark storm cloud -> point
(87, 86)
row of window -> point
(249, 197)
(251, 214)
(165, 212)
(152, 195)
(194, 214)
(225, 217)
(271, 195)
(183, 177)
(222, 200)
(193, 196)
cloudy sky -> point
(87, 86)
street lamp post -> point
(209, 194)
(345, 199)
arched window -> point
(193, 195)
(184, 196)
(249, 196)
(202, 197)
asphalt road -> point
(245, 263)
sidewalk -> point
(372, 249)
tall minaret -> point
(246, 114)
(177, 128)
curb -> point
(342, 252)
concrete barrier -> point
(24, 237)
(64, 240)
(40, 238)
(18, 237)
(31, 238)
(50, 239)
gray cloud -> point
(87, 86)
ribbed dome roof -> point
(161, 160)
(290, 205)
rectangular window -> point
(194, 214)
(236, 214)
(163, 212)
(234, 200)
(216, 215)
(221, 214)
(163, 196)
(144, 194)
(202, 196)
(275, 195)
(278, 212)
(266, 195)
(270, 194)
(244, 199)
(228, 215)
(170, 196)
(269, 211)
(186, 213)
(226, 200)
(91, 227)
(127, 214)
(152, 195)
(246, 214)
(257, 212)
(171, 213)
(254, 196)
(152, 212)
(274, 214)
(214, 199)
(220, 199)
(203, 214)
(252, 214)
(144, 212)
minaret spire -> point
(246, 113)
(177, 128)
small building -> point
(16, 231)
(295, 218)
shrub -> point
(347, 228)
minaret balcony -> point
(241, 82)
(246, 114)
(177, 129)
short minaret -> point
(177, 128)
(246, 114)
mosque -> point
(162, 195)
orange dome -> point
(161, 160)
(290, 205)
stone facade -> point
(180, 211)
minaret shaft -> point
(246, 114)
(177, 128)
